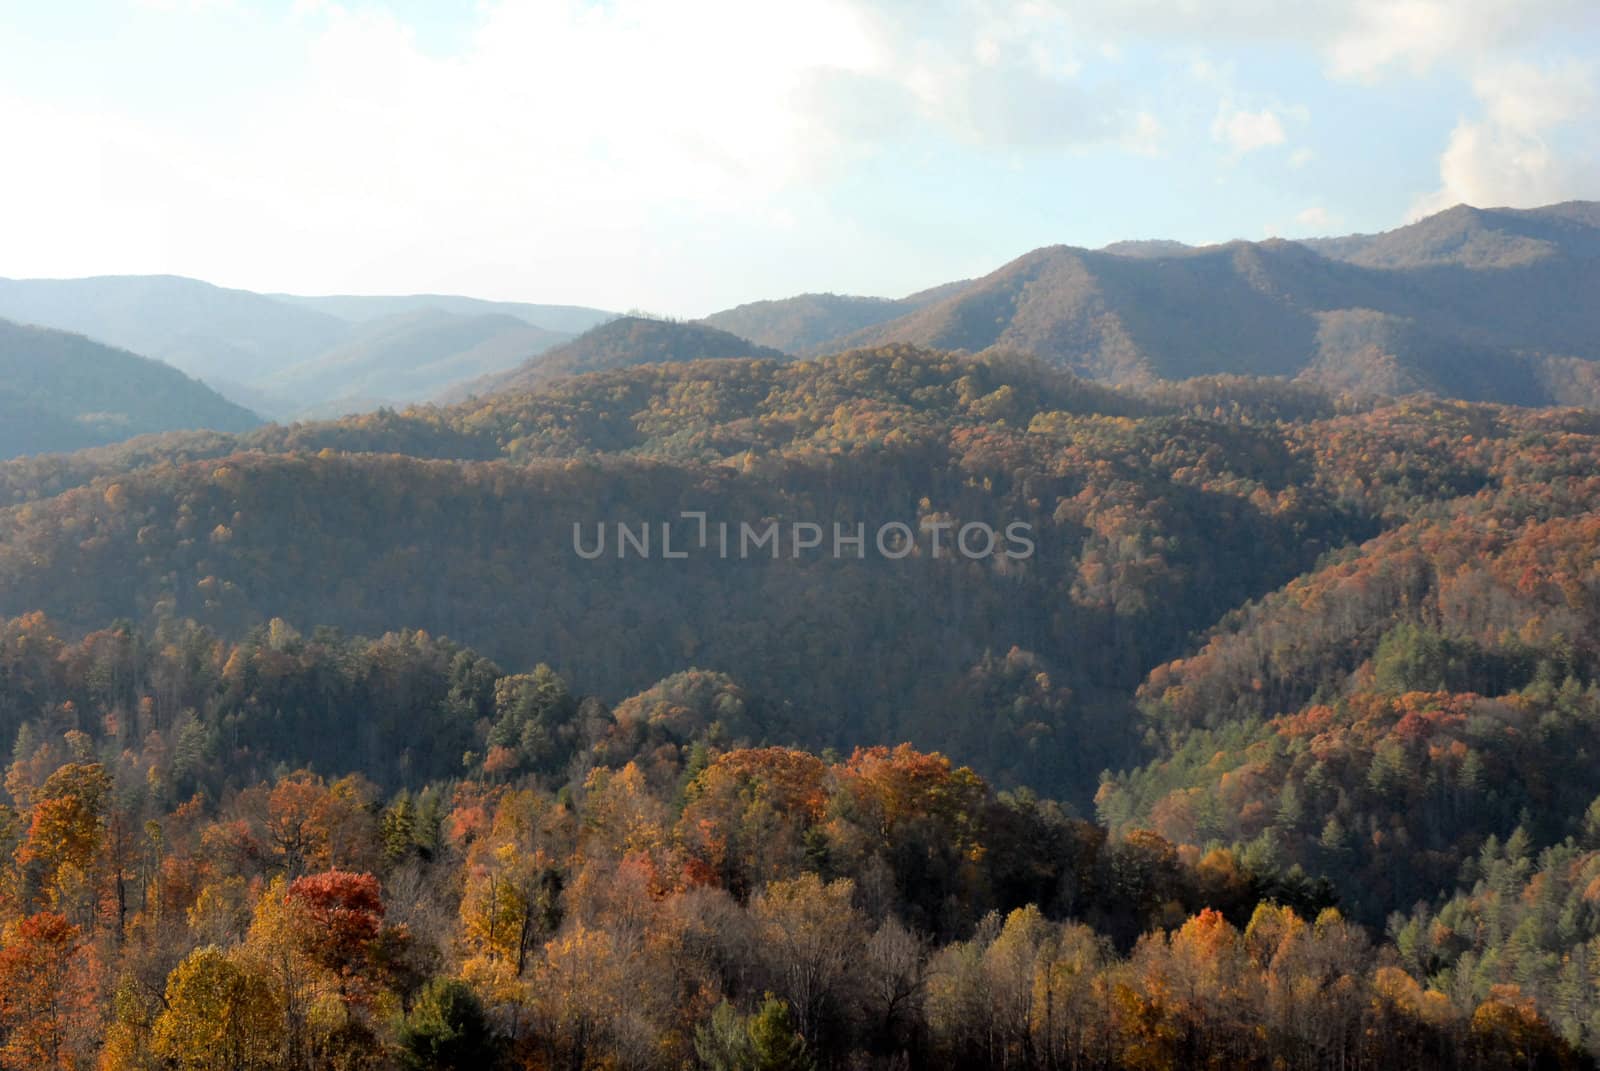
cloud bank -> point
(559, 140)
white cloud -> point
(1509, 155)
(1414, 35)
(1357, 39)
(1301, 157)
(599, 137)
(602, 141)
(189, 6)
(1528, 97)
(1006, 74)
(1316, 218)
(1145, 137)
(561, 111)
(1245, 131)
(1242, 124)
(1311, 222)
(560, 134)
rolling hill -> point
(362, 308)
(288, 356)
(205, 331)
(461, 520)
(808, 324)
(408, 356)
(1159, 517)
(60, 391)
(1293, 648)
(626, 342)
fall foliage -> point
(326, 752)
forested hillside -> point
(1146, 529)
(1479, 304)
(408, 355)
(286, 356)
(625, 342)
(1022, 588)
(810, 324)
(61, 392)
(331, 748)
(1477, 238)
(1153, 516)
(214, 333)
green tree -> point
(446, 1030)
(723, 1042)
(776, 1044)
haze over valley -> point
(1477, 304)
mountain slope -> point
(1486, 305)
(807, 324)
(292, 357)
(1479, 238)
(1156, 521)
(408, 357)
(205, 331)
(27, 428)
(477, 541)
(1116, 318)
(626, 342)
(60, 391)
(356, 308)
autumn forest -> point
(1280, 752)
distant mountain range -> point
(60, 392)
(408, 356)
(288, 356)
(1493, 304)
(562, 319)
(1480, 304)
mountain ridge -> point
(61, 391)
(1477, 303)
(264, 349)
(806, 324)
(626, 342)
(1506, 289)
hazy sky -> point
(685, 155)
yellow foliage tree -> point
(223, 1014)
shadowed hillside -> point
(211, 332)
(622, 343)
(60, 391)
(1294, 648)
(810, 323)
(409, 356)
(289, 357)
(1490, 305)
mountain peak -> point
(625, 342)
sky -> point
(682, 156)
